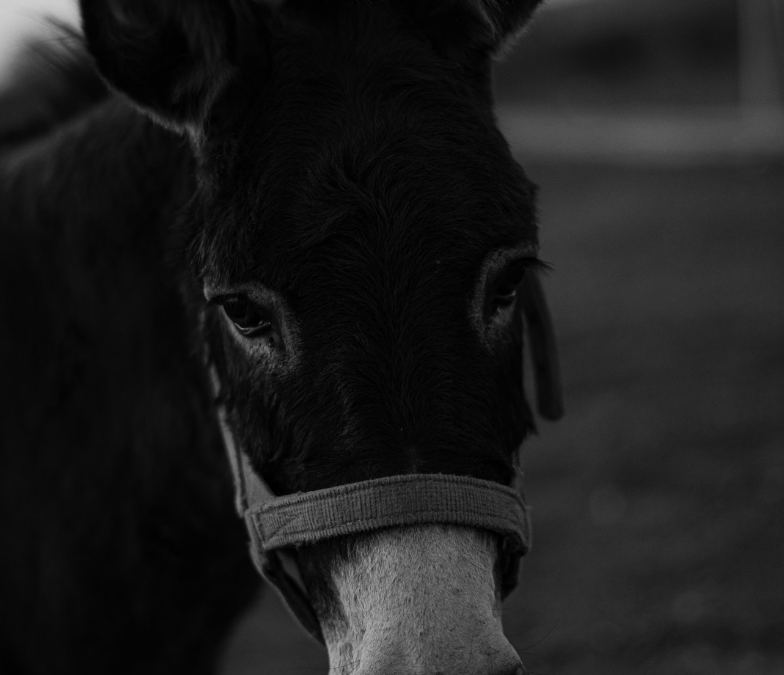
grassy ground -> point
(659, 500)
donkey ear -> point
(478, 27)
(173, 57)
(504, 19)
(544, 351)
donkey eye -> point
(505, 295)
(249, 319)
(504, 290)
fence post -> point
(761, 60)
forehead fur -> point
(364, 134)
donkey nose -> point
(419, 600)
(475, 662)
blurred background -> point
(655, 129)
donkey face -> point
(356, 240)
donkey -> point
(293, 230)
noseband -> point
(278, 524)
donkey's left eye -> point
(249, 319)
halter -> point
(278, 524)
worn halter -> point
(276, 524)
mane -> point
(52, 80)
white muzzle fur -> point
(419, 600)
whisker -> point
(538, 642)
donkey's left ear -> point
(485, 27)
(174, 57)
(504, 19)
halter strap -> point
(411, 499)
(278, 523)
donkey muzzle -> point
(278, 523)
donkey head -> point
(357, 240)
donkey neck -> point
(107, 167)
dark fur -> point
(52, 81)
(352, 164)
(121, 549)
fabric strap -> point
(412, 499)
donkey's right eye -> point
(249, 319)
(503, 290)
